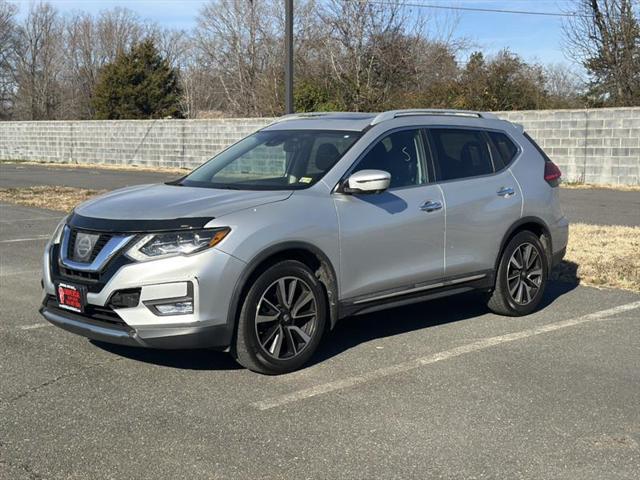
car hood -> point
(164, 202)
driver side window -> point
(401, 154)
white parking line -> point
(30, 219)
(28, 239)
(437, 357)
(23, 272)
(34, 326)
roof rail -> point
(295, 116)
(391, 114)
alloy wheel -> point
(286, 318)
(524, 274)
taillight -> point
(552, 173)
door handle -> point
(430, 206)
(506, 192)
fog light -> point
(178, 308)
(174, 305)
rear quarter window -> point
(502, 148)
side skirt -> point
(416, 293)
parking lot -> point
(442, 389)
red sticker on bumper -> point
(70, 297)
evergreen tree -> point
(137, 85)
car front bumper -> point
(162, 336)
(209, 277)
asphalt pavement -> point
(22, 175)
(442, 389)
(595, 206)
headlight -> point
(57, 233)
(161, 245)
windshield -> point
(274, 160)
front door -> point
(393, 240)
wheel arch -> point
(535, 225)
(307, 253)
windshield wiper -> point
(176, 183)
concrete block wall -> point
(152, 143)
(600, 146)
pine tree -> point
(137, 85)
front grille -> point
(99, 245)
(72, 243)
(93, 281)
(79, 275)
(102, 241)
(93, 314)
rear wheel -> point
(521, 276)
(282, 319)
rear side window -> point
(504, 150)
(460, 153)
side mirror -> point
(367, 181)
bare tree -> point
(173, 44)
(604, 36)
(241, 43)
(234, 39)
(83, 61)
(358, 32)
(564, 86)
(383, 55)
(117, 30)
(199, 95)
(91, 43)
(349, 55)
(38, 63)
(7, 57)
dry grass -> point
(602, 256)
(589, 186)
(127, 168)
(50, 197)
(597, 255)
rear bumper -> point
(559, 239)
(162, 337)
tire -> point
(282, 319)
(519, 291)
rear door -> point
(482, 198)
(391, 241)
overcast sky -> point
(535, 38)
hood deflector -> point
(136, 226)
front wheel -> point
(282, 319)
(521, 277)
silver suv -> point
(314, 218)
